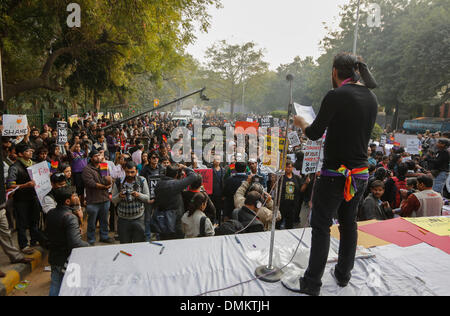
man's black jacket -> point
(169, 192)
(63, 232)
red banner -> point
(207, 175)
(246, 128)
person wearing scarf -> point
(348, 113)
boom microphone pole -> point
(202, 96)
(270, 273)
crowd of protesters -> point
(123, 179)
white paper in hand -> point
(307, 112)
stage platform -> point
(191, 267)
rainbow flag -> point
(54, 164)
(104, 169)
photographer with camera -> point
(265, 212)
(130, 196)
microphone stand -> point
(270, 273)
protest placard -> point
(294, 140)
(307, 112)
(311, 160)
(413, 146)
(61, 128)
(14, 125)
(40, 174)
(266, 121)
(207, 175)
(383, 139)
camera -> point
(257, 179)
(127, 191)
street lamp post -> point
(356, 29)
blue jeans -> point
(439, 181)
(328, 199)
(147, 219)
(57, 277)
(99, 210)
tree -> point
(229, 67)
(116, 40)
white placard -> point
(293, 139)
(40, 174)
(412, 146)
(307, 112)
(14, 125)
(311, 159)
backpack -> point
(399, 185)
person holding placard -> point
(348, 113)
(26, 204)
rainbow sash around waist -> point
(350, 187)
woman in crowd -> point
(195, 222)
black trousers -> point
(27, 212)
(328, 199)
(131, 231)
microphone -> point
(289, 77)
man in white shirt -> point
(137, 155)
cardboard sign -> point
(207, 175)
(15, 125)
(248, 128)
(313, 152)
(307, 112)
(61, 128)
(293, 139)
(40, 173)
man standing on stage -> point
(348, 113)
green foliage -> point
(117, 41)
(279, 114)
(376, 132)
(230, 67)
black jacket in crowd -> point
(245, 216)
(231, 185)
(169, 192)
(63, 232)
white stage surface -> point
(190, 267)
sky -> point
(284, 28)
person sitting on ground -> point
(247, 214)
(195, 222)
(424, 203)
(373, 207)
(265, 213)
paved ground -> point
(39, 280)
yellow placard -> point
(437, 225)
(155, 103)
